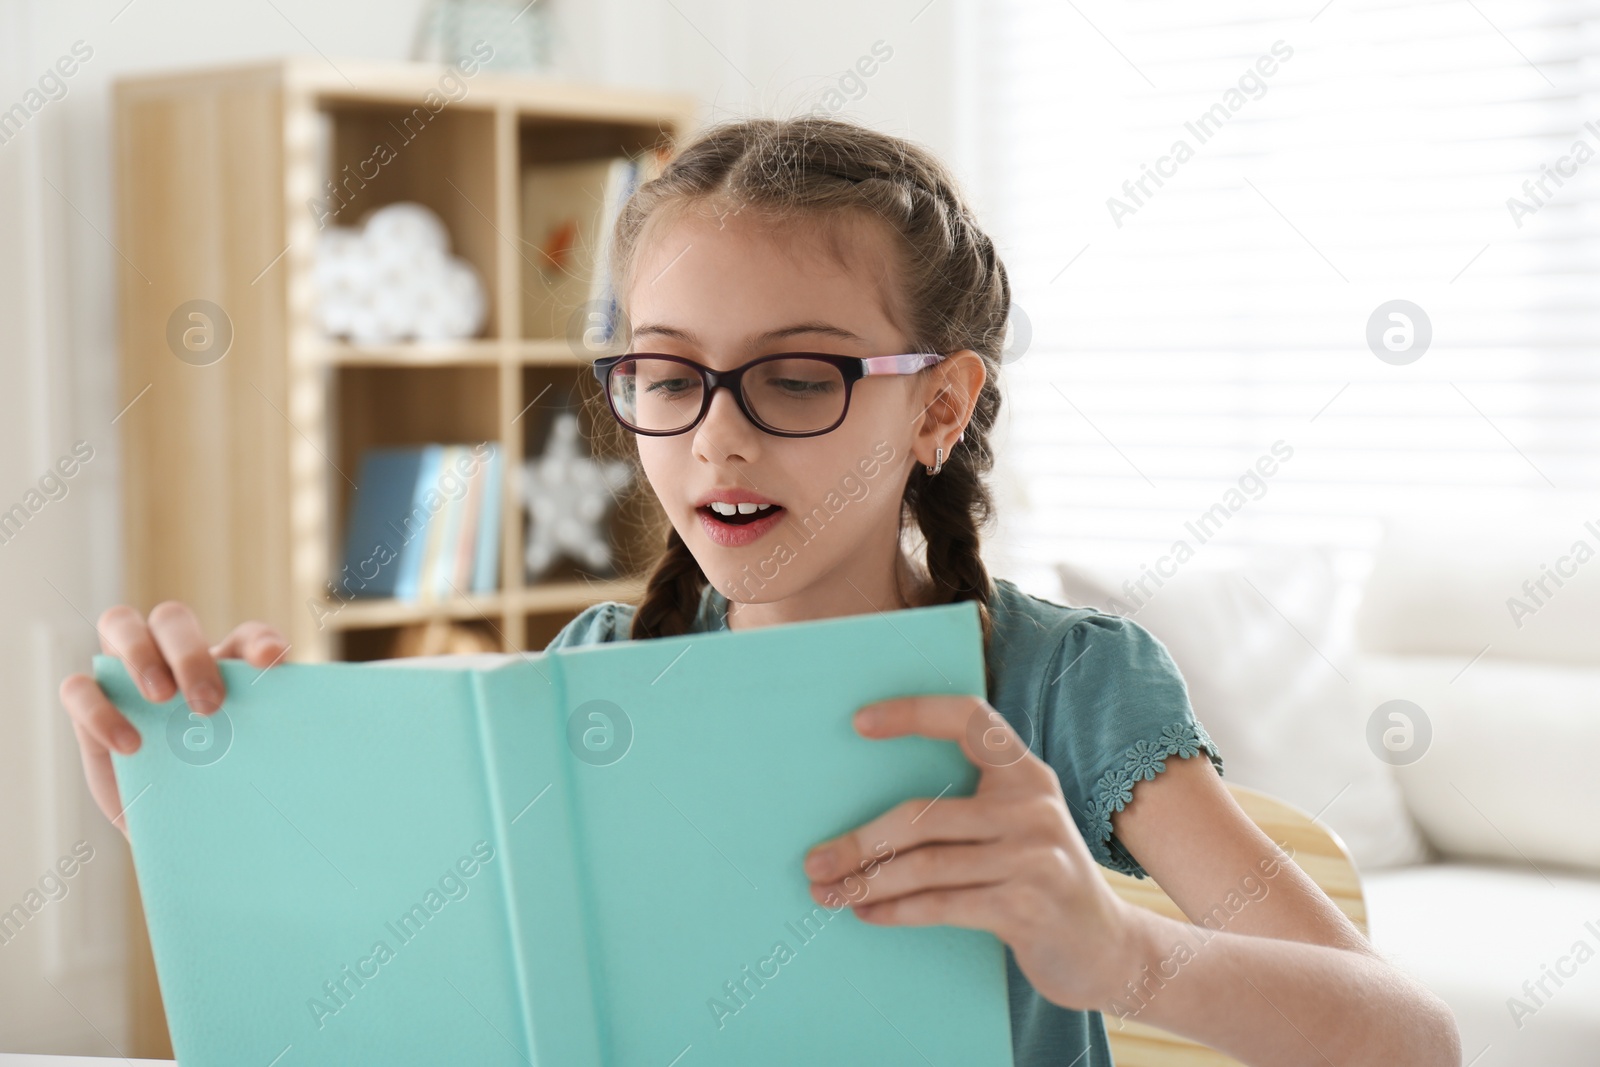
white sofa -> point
(1474, 821)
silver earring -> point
(938, 461)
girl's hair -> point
(953, 289)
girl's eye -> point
(797, 387)
(671, 385)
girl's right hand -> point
(168, 644)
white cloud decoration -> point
(394, 279)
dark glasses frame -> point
(851, 368)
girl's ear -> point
(954, 386)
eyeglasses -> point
(788, 394)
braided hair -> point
(953, 287)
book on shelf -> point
(438, 528)
(569, 211)
(486, 551)
(467, 537)
(590, 855)
(411, 525)
(425, 522)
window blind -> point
(1204, 207)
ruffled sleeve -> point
(1116, 712)
(595, 624)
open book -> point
(587, 856)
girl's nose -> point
(725, 431)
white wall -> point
(60, 978)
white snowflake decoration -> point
(567, 493)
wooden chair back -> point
(1316, 849)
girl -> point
(815, 321)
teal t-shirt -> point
(1096, 697)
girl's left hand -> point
(1008, 859)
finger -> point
(177, 634)
(906, 825)
(94, 714)
(123, 634)
(935, 866)
(258, 643)
(974, 907)
(985, 737)
(102, 779)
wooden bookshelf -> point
(239, 473)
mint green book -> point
(586, 856)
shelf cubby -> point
(383, 153)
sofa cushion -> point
(1510, 748)
(1524, 587)
(1474, 934)
(1287, 720)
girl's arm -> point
(1288, 979)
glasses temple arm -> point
(908, 363)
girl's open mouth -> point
(740, 528)
(741, 518)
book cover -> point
(486, 554)
(413, 529)
(566, 213)
(455, 517)
(375, 549)
(621, 181)
(466, 539)
(443, 507)
(586, 856)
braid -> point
(672, 596)
(950, 508)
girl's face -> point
(724, 291)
